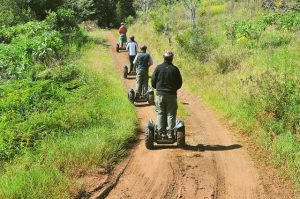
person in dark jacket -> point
(166, 79)
(142, 62)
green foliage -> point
(274, 39)
(243, 29)
(289, 21)
(227, 61)
(196, 43)
(159, 25)
(279, 101)
(12, 12)
(124, 8)
(31, 106)
(66, 129)
(129, 20)
(247, 30)
(63, 20)
(31, 184)
(37, 43)
(17, 57)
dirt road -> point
(213, 164)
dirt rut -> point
(213, 164)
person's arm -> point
(136, 47)
(127, 46)
(150, 63)
(179, 79)
(135, 59)
(154, 78)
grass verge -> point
(49, 170)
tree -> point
(41, 7)
(191, 6)
(124, 8)
(144, 5)
(13, 12)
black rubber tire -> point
(181, 138)
(151, 99)
(125, 72)
(131, 96)
(149, 138)
(118, 48)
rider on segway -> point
(131, 47)
(142, 62)
(166, 79)
(123, 37)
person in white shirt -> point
(131, 47)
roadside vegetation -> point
(240, 57)
(63, 109)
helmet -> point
(168, 56)
(143, 48)
(122, 23)
(131, 37)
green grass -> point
(49, 170)
(239, 92)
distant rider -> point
(166, 79)
(131, 47)
(122, 32)
(142, 62)
(122, 29)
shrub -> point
(17, 58)
(278, 98)
(244, 29)
(274, 39)
(289, 21)
(63, 20)
(268, 18)
(32, 110)
(196, 43)
(227, 61)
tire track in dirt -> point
(212, 165)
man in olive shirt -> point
(142, 62)
(166, 79)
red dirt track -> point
(213, 164)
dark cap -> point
(143, 47)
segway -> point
(126, 72)
(122, 43)
(176, 135)
(147, 96)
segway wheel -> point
(149, 138)
(118, 48)
(181, 138)
(125, 72)
(131, 95)
(151, 100)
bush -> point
(227, 61)
(237, 29)
(17, 58)
(289, 21)
(129, 20)
(63, 20)
(31, 110)
(278, 98)
(274, 39)
(196, 43)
